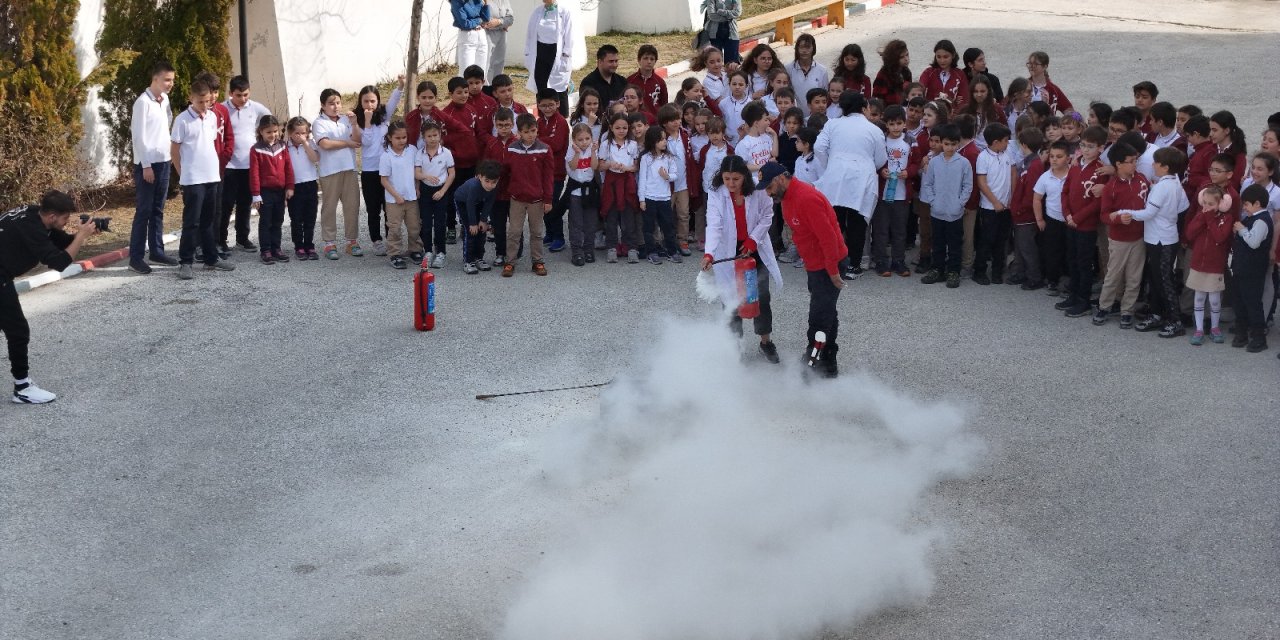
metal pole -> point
(244, 39)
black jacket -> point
(1246, 260)
(609, 91)
(26, 242)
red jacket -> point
(692, 174)
(485, 106)
(654, 92)
(1233, 212)
(554, 132)
(956, 87)
(1024, 194)
(226, 142)
(1077, 200)
(857, 85)
(269, 168)
(530, 171)
(971, 152)
(1119, 195)
(496, 149)
(1210, 235)
(465, 140)
(1054, 97)
(813, 228)
(413, 123)
(1198, 169)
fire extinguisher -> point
(748, 287)
(424, 299)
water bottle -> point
(891, 186)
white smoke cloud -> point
(713, 498)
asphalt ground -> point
(275, 453)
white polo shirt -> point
(995, 166)
(399, 168)
(1050, 186)
(335, 160)
(802, 82)
(197, 136)
(244, 124)
(436, 166)
(304, 170)
(628, 154)
(149, 129)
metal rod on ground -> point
(486, 396)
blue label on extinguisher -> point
(431, 298)
(751, 285)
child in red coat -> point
(1210, 235)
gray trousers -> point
(582, 227)
(889, 231)
(1026, 255)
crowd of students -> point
(1104, 207)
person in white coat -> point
(738, 220)
(548, 50)
(852, 149)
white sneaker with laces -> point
(379, 248)
(437, 262)
(31, 394)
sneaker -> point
(1016, 280)
(997, 279)
(247, 246)
(1100, 317)
(398, 263)
(982, 279)
(578, 261)
(300, 254)
(655, 258)
(139, 267)
(470, 269)
(268, 258)
(354, 249)
(600, 243)
(1215, 334)
(923, 266)
(790, 255)
(953, 280)
(799, 264)
(675, 257)
(684, 249)
(451, 236)
(612, 256)
(1033, 286)
(850, 274)
(1126, 321)
(539, 269)
(1152, 323)
(933, 276)
(1052, 289)
(280, 256)
(379, 248)
(164, 260)
(1197, 338)
(184, 272)
(499, 261)
(1240, 339)
(633, 256)
(223, 254)
(1079, 311)
(1173, 330)
(556, 246)
(437, 262)
(857, 271)
(770, 351)
(508, 270)
(221, 265)
(1257, 343)
(483, 265)
(1063, 305)
(589, 256)
(29, 393)
(331, 251)
(416, 257)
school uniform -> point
(475, 205)
(716, 87)
(196, 135)
(1126, 252)
(857, 84)
(946, 185)
(433, 213)
(1026, 251)
(891, 90)
(924, 222)
(1053, 240)
(970, 152)
(338, 180)
(372, 137)
(235, 179)
(306, 197)
(270, 178)
(802, 81)
(808, 169)
(532, 174)
(653, 91)
(732, 108)
(1051, 95)
(149, 135)
(992, 227)
(1250, 249)
(951, 83)
(496, 149)
(554, 132)
(681, 193)
(1083, 209)
(619, 202)
(583, 192)
(889, 226)
(1165, 202)
(655, 192)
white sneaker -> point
(379, 248)
(483, 264)
(612, 256)
(600, 240)
(799, 263)
(790, 255)
(33, 395)
(437, 262)
(633, 256)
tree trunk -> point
(411, 70)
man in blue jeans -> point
(152, 118)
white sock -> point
(1215, 308)
(1199, 310)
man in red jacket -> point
(817, 237)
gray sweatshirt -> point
(946, 186)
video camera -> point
(103, 224)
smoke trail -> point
(744, 503)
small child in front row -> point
(995, 183)
(946, 186)
(437, 173)
(1165, 202)
(1126, 252)
(528, 163)
(398, 168)
(474, 201)
(271, 185)
(1210, 235)
(306, 189)
(709, 159)
(1250, 250)
(658, 171)
(583, 192)
(808, 169)
(889, 224)
(1026, 252)
(619, 161)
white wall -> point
(654, 16)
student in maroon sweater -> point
(553, 131)
(270, 185)
(504, 122)
(464, 142)
(1081, 204)
(1196, 130)
(1210, 235)
(1026, 253)
(528, 165)
(1126, 252)
(970, 151)
(482, 103)
(427, 110)
(653, 88)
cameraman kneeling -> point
(29, 235)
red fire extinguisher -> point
(424, 299)
(748, 287)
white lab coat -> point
(852, 150)
(722, 237)
(567, 36)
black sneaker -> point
(933, 276)
(982, 279)
(953, 280)
(578, 261)
(1079, 311)
(1173, 330)
(139, 267)
(1063, 305)
(247, 246)
(1126, 321)
(1015, 280)
(1033, 286)
(1240, 339)
(589, 257)
(1152, 323)
(1099, 317)
(451, 236)
(770, 351)
(398, 263)
(164, 260)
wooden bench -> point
(783, 20)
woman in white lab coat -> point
(734, 194)
(549, 50)
(852, 149)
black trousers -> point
(542, 65)
(854, 228)
(992, 239)
(302, 214)
(1162, 290)
(16, 330)
(1248, 300)
(374, 199)
(1053, 250)
(823, 317)
(235, 196)
(775, 229)
(460, 176)
(948, 243)
(498, 219)
(199, 216)
(554, 220)
(270, 220)
(763, 323)
(1081, 246)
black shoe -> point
(1033, 286)
(140, 267)
(1079, 311)
(451, 236)
(578, 261)
(1016, 280)
(924, 265)
(1152, 323)
(1063, 305)
(247, 246)
(1126, 321)
(997, 279)
(1257, 341)
(981, 279)
(1173, 330)
(1240, 339)
(932, 277)
(1099, 317)
(953, 280)
(589, 257)
(770, 351)
(164, 260)
(224, 253)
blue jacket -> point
(468, 14)
(475, 204)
